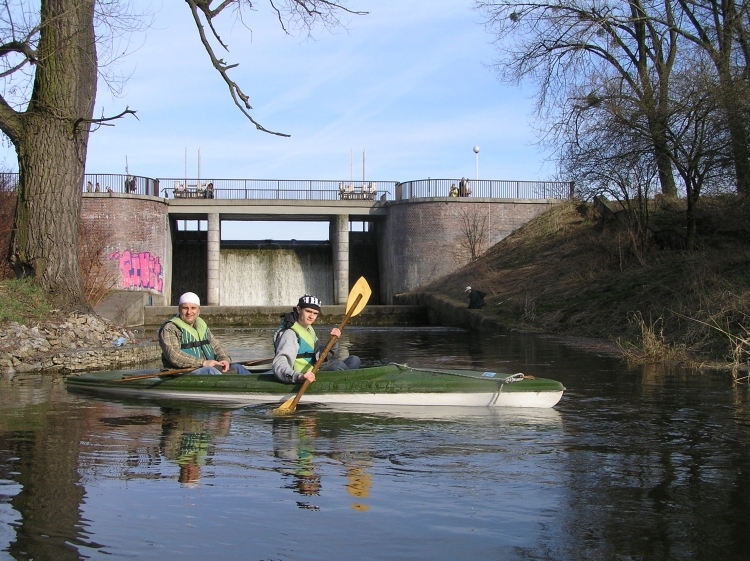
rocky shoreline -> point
(76, 342)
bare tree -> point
(627, 54)
(98, 277)
(54, 45)
(473, 230)
(720, 29)
(613, 49)
(702, 145)
(607, 159)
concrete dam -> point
(409, 234)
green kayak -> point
(392, 384)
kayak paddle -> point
(184, 370)
(358, 297)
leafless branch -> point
(19, 47)
(241, 100)
(103, 121)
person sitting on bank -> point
(297, 347)
(187, 342)
(476, 297)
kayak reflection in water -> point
(294, 445)
(186, 440)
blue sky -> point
(410, 84)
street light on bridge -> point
(476, 152)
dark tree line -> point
(635, 97)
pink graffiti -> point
(139, 270)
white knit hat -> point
(190, 298)
(468, 289)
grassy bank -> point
(23, 302)
(570, 272)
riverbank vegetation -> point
(646, 104)
(579, 271)
(23, 301)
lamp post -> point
(476, 152)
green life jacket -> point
(305, 359)
(194, 340)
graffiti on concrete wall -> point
(139, 270)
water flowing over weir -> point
(276, 274)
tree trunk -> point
(736, 124)
(663, 158)
(51, 148)
(654, 72)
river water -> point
(632, 464)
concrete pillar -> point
(213, 258)
(340, 243)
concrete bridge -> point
(412, 233)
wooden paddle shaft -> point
(164, 373)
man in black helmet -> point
(297, 347)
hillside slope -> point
(568, 272)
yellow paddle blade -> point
(285, 407)
(360, 287)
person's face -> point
(189, 312)
(307, 316)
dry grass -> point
(651, 347)
(98, 279)
(567, 273)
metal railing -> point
(100, 183)
(281, 189)
(8, 181)
(486, 188)
(311, 189)
(118, 183)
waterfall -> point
(276, 277)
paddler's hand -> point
(309, 376)
(335, 332)
(223, 364)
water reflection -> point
(294, 446)
(39, 449)
(633, 464)
(359, 483)
(186, 439)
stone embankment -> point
(75, 343)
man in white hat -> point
(297, 347)
(186, 342)
(476, 297)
